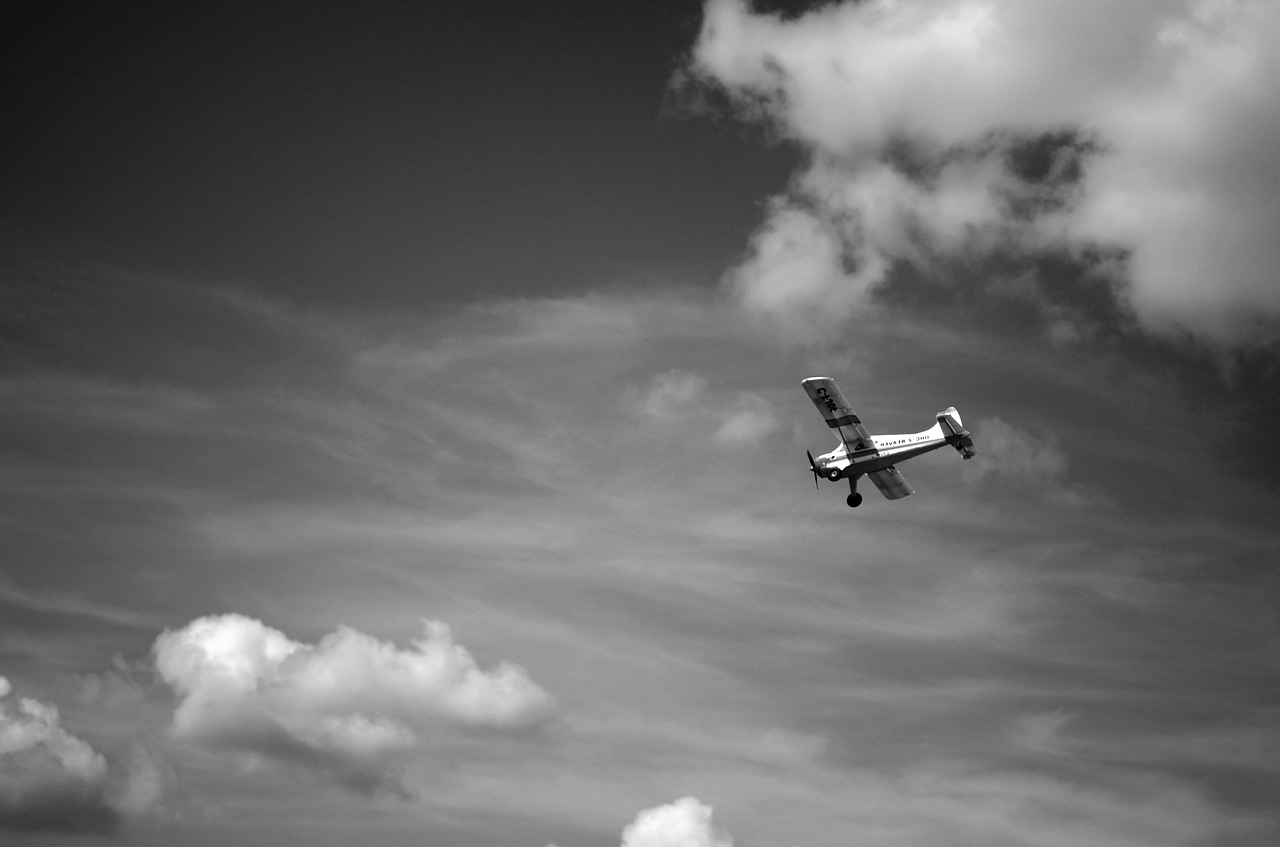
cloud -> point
(683, 823)
(1041, 732)
(802, 271)
(751, 421)
(669, 396)
(678, 396)
(1016, 460)
(1133, 139)
(1012, 453)
(69, 603)
(350, 706)
(52, 781)
(142, 787)
(709, 608)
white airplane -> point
(862, 454)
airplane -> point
(862, 454)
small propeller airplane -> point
(862, 454)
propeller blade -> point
(813, 467)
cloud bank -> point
(52, 781)
(350, 707)
(1136, 141)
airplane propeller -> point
(813, 467)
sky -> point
(402, 439)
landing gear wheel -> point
(854, 500)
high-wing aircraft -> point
(862, 454)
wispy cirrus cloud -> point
(709, 624)
(941, 802)
(735, 419)
(668, 397)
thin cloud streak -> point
(59, 603)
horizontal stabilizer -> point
(949, 420)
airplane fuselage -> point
(882, 452)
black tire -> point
(854, 500)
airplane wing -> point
(826, 395)
(891, 483)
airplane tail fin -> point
(949, 420)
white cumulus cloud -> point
(683, 823)
(945, 129)
(350, 706)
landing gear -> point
(854, 499)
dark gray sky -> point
(401, 437)
(342, 152)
